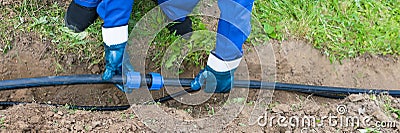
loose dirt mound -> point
(361, 112)
(34, 117)
(298, 62)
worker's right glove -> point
(78, 17)
(217, 76)
(114, 57)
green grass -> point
(210, 109)
(7, 26)
(2, 119)
(165, 40)
(340, 28)
(46, 20)
(387, 104)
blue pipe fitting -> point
(157, 81)
(133, 80)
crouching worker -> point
(233, 29)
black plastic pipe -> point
(77, 79)
(325, 91)
(56, 80)
(332, 92)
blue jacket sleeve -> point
(177, 9)
(116, 14)
(233, 29)
(88, 3)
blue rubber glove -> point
(113, 58)
(217, 76)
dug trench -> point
(296, 62)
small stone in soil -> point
(95, 69)
(356, 98)
(380, 115)
(281, 108)
(60, 113)
(49, 114)
(96, 123)
(34, 119)
(22, 125)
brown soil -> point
(33, 58)
(296, 62)
(299, 63)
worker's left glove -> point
(113, 57)
(216, 77)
